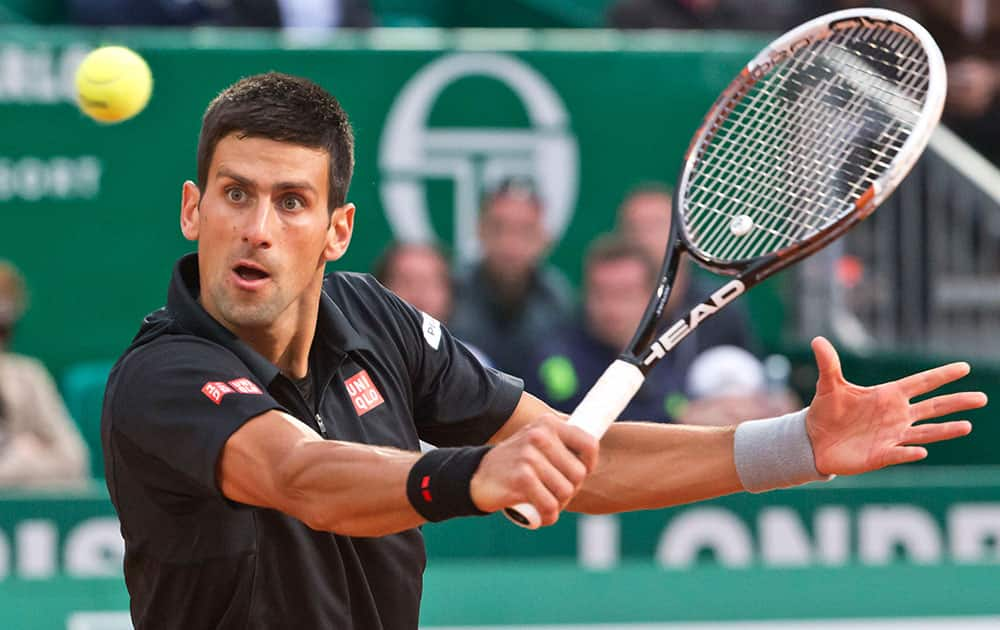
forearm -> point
(350, 489)
(274, 461)
(648, 466)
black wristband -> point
(438, 485)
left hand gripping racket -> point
(812, 135)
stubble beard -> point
(248, 312)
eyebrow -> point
(249, 183)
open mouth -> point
(250, 273)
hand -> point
(543, 464)
(857, 429)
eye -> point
(292, 202)
(236, 195)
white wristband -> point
(775, 453)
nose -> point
(258, 228)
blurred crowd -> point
(968, 32)
(521, 315)
(513, 309)
(39, 444)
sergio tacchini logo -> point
(474, 158)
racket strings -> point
(819, 161)
(838, 111)
(783, 135)
(805, 163)
(770, 181)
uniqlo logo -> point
(215, 390)
(244, 386)
(363, 393)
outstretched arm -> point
(852, 429)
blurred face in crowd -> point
(512, 236)
(12, 301)
(264, 233)
(644, 219)
(617, 291)
(420, 275)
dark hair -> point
(515, 186)
(384, 264)
(287, 109)
(611, 247)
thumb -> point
(828, 364)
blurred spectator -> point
(39, 443)
(250, 13)
(644, 218)
(618, 279)
(419, 274)
(511, 299)
(727, 385)
(968, 33)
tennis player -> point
(261, 432)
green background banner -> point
(90, 212)
(934, 516)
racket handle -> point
(599, 408)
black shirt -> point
(382, 373)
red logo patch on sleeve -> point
(215, 390)
(244, 386)
(363, 393)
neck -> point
(287, 350)
(286, 341)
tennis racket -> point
(812, 135)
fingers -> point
(544, 464)
(583, 445)
(558, 465)
(559, 468)
(534, 484)
(905, 455)
(927, 433)
(947, 404)
(929, 380)
(828, 364)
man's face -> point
(421, 277)
(645, 220)
(616, 295)
(264, 231)
(512, 235)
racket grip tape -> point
(600, 407)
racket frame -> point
(605, 401)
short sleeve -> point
(457, 400)
(176, 401)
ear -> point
(190, 198)
(338, 235)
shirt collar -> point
(334, 333)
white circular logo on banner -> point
(475, 159)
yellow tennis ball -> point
(113, 84)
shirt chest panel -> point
(368, 401)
